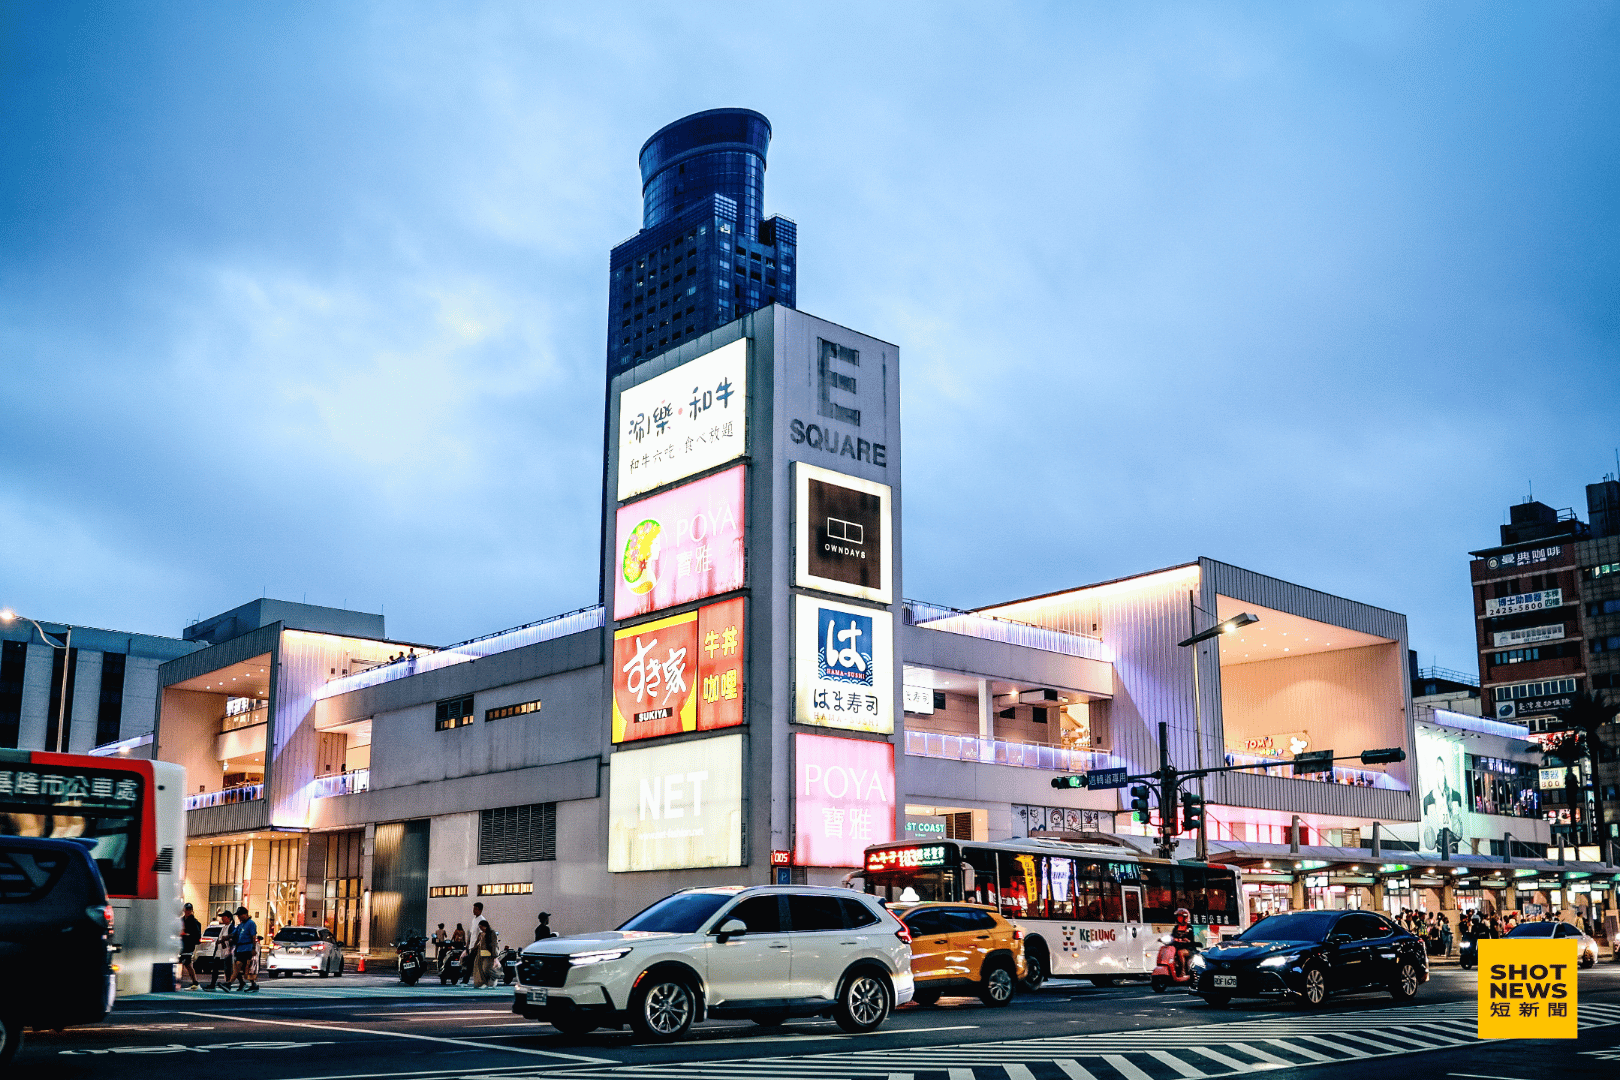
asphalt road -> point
(372, 1028)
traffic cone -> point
(361, 970)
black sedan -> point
(1308, 955)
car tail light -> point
(1018, 933)
(903, 934)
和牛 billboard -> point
(683, 673)
(688, 419)
(676, 806)
(843, 665)
(843, 799)
(682, 545)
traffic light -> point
(1139, 802)
(1068, 781)
(1192, 812)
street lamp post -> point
(8, 616)
(1198, 705)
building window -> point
(511, 710)
(456, 712)
(109, 717)
(510, 834)
(1606, 644)
(281, 886)
(438, 892)
(507, 888)
(1606, 569)
(225, 875)
(341, 913)
(13, 661)
(1543, 688)
(1603, 607)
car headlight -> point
(1198, 962)
(1278, 961)
(581, 959)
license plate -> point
(1226, 981)
(538, 997)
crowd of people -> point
(234, 951)
(483, 945)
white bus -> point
(133, 811)
(1090, 908)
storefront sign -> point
(1440, 779)
(918, 699)
(1527, 988)
(843, 542)
(677, 806)
(683, 673)
(688, 419)
(1531, 601)
(843, 799)
(843, 665)
(1524, 708)
(1551, 779)
(679, 546)
(924, 828)
(1529, 635)
(1283, 745)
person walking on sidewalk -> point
(222, 952)
(483, 954)
(246, 938)
(544, 930)
(190, 934)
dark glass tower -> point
(703, 256)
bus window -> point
(980, 879)
(1020, 885)
(1061, 872)
(1096, 893)
(1193, 895)
(1159, 900)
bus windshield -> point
(912, 874)
(72, 802)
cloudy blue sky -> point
(309, 299)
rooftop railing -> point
(933, 744)
(245, 793)
(349, 783)
(1424, 714)
(989, 628)
(1449, 675)
(557, 626)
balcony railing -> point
(990, 628)
(245, 793)
(590, 618)
(1264, 766)
(355, 780)
(932, 744)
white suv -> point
(764, 953)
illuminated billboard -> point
(677, 806)
(688, 419)
(683, 673)
(843, 665)
(844, 542)
(1440, 780)
(682, 545)
(843, 799)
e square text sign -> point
(1527, 988)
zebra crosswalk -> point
(1185, 1053)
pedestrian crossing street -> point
(1185, 1053)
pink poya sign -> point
(843, 799)
(686, 544)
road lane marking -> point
(1182, 1067)
(413, 1035)
(1302, 1051)
(961, 1074)
(1018, 1072)
(1271, 1059)
(1073, 1069)
(1123, 1066)
(1230, 1062)
(1339, 1046)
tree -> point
(1569, 749)
(1588, 715)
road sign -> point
(1316, 761)
(1107, 778)
(1527, 988)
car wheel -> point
(1217, 1001)
(1103, 980)
(573, 1026)
(1035, 967)
(324, 973)
(1160, 984)
(1588, 960)
(998, 985)
(864, 1003)
(1315, 991)
(11, 1037)
(1405, 986)
(662, 1009)
(925, 997)
(770, 1019)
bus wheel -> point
(11, 1037)
(1035, 966)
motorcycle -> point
(509, 963)
(412, 959)
(1164, 969)
(456, 966)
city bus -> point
(133, 812)
(1090, 908)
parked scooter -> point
(456, 966)
(1165, 974)
(509, 963)
(412, 958)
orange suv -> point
(963, 949)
